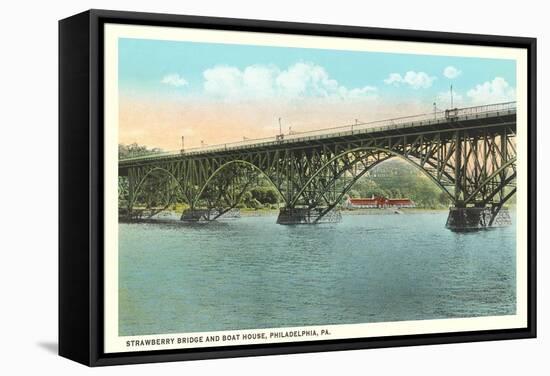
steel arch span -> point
(469, 153)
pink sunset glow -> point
(161, 123)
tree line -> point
(399, 179)
(135, 150)
(391, 179)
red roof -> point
(399, 201)
(380, 200)
(364, 201)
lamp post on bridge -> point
(280, 135)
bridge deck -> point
(463, 118)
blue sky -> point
(168, 68)
(217, 93)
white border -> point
(115, 343)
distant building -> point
(379, 203)
(400, 203)
(362, 203)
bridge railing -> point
(497, 107)
(373, 125)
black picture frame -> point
(81, 175)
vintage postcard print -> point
(272, 188)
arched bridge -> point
(470, 153)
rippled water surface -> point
(253, 273)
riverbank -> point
(263, 212)
(393, 211)
(271, 212)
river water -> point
(252, 273)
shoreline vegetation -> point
(173, 216)
(374, 211)
(262, 212)
(273, 211)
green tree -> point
(135, 150)
(426, 193)
(354, 194)
(265, 195)
(398, 179)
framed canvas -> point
(234, 187)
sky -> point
(216, 93)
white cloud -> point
(451, 72)
(443, 100)
(300, 80)
(416, 80)
(394, 79)
(222, 80)
(174, 79)
(497, 90)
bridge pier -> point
(476, 218)
(299, 216)
(469, 153)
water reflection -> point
(252, 273)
